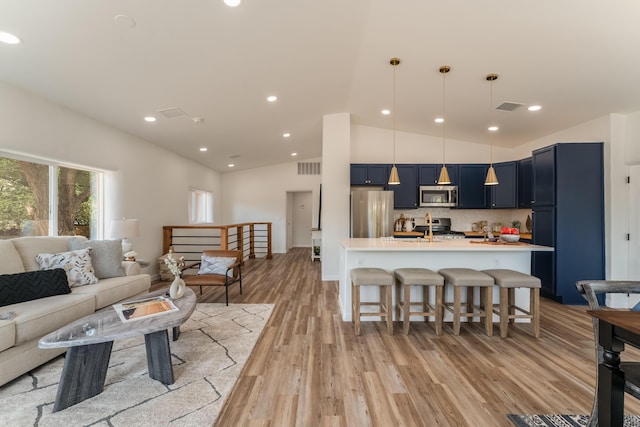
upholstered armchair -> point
(216, 268)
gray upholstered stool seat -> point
(468, 278)
(508, 281)
(371, 277)
(408, 277)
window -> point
(200, 207)
(48, 199)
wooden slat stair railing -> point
(251, 238)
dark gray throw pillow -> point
(106, 255)
(21, 287)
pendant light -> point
(394, 178)
(444, 174)
(492, 179)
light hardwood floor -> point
(309, 368)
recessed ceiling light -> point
(286, 135)
(150, 119)
(9, 38)
(294, 154)
(232, 3)
(230, 165)
(534, 107)
(203, 149)
(386, 112)
(272, 98)
(439, 120)
(493, 128)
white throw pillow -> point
(77, 264)
(215, 265)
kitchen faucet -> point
(428, 220)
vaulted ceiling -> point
(120, 60)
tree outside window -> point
(26, 202)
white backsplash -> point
(462, 219)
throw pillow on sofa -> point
(21, 287)
(215, 265)
(77, 264)
(106, 256)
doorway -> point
(299, 219)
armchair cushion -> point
(106, 256)
(216, 265)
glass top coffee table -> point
(90, 339)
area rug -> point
(563, 420)
(207, 360)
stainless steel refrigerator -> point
(371, 213)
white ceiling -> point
(579, 59)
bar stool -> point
(407, 277)
(371, 277)
(508, 281)
(469, 279)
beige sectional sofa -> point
(19, 352)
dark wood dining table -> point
(616, 328)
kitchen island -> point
(390, 254)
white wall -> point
(374, 145)
(142, 181)
(260, 195)
(336, 140)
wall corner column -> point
(336, 185)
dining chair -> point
(596, 292)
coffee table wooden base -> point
(159, 356)
(85, 368)
(83, 374)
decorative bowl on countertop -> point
(510, 238)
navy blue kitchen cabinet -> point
(472, 193)
(369, 174)
(428, 174)
(405, 194)
(544, 176)
(543, 222)
(568, 214)
(505, 194)
(525, 183)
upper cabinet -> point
(405, 194)
(544, 176)
(369, 174)
(428, 174)
(525, 183)
(504, 194)
(472, 193)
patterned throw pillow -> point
(216, 265)
(77, 264)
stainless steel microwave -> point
(438, 196)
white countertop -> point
(459, 245)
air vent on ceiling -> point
(509, 106)
(308, 168)
(172, 112)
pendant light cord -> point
(394, 114)
(444, 115)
